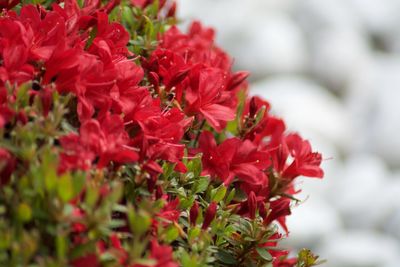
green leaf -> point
(193, 233)
(24, 212)
(263, 252)
(226, 257)
(139, 221)
(22, 95)
(171, 234)
(61, 246)
(195, 166)
(186, 202)
(168, 169)
(65, 187)
(50, 179)
(116, 223)
(230, 196)
(307, 259)
(78, 182)
(201, 184)
(218, 193)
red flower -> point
(169, 68)
(280, 208)
(110, 40)
(305, 161)
(160, 135)
(249, 207)
(8, 4)
(197, 46)
(277, 254)
(207, 96)
(78, 214)
(170, 212)
(233, 158)
(162, 254)
(268, 128)
(6, 115)
(285, 262)
(216, 158)
(107, 140)
(87, 260)
(118, 250)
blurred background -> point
(331, 69)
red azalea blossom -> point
(234, 158)
(169, 213)
(162, 254)
(280, 208)
(207, 96)
(114, 91)
(108, 141)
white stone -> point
(316, 16)
(360, 189)
(260, 40)
(390, 221)
(310, 221)
(337, 55)
(360, 249)
(377, 16)
(373, 102)
(307, 108)
(272, 44)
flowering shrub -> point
(126, 142)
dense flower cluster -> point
(126, 142)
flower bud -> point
(154, 79)
(7, 166)
(262, 210)
(46, 100)
(237, 79)
(209, 215)
(172, 10)
(159, 192)
(194, 213)
(252, 205)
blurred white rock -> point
(307, 108)
(310, 221)
(273, 44)
(320, 15)
(391, 221)
(373, 102)
(227, 17)
(377, 16)
(260, 40)
(338, 55)
(359, 190)
(360, 249)
(336, 43)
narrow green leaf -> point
(218, 193)
(263, 252)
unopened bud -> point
(209, 215)
(194, 213)
(252, 204)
